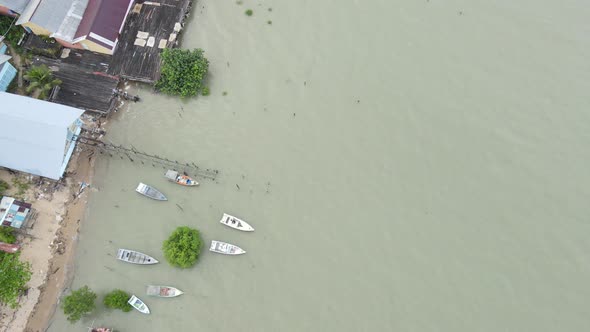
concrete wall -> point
(38, 30)
(92, 46)
(69, 45)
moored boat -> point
(226, 248)
(9, 248)
(236, 223)
(139, 305)
(91, 328)
(163, 291)
(135, 257)
(150, 192)
(181, 179)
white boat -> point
(226, 248)
(138, 304)
(135, 257)
(236, 223)
(181, 179)
(163, 291)
(150, 192)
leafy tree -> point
(14, 275)
(15, 32)
(41, 81)
(3, 187)
(183, 72)
(7, 234)
(79, 303)
(117, 299)
(183, 247)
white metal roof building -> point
(36, 136)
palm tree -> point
(41, 81)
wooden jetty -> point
(143, 158)
(150, 27)
(85, 82)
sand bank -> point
(49, 245)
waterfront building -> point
(7, 71)
(37, 137)
(92, 25)
(14, 213)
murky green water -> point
(408, 166)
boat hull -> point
(226, 248)
(139, 305)
(163, 291)
(236, 223)
(183, 180)
(150, 192)
(135, 257)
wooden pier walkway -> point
(151, 26)
(147, 159)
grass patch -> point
(22, 187)
(7, 234)
(3, 187)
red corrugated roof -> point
(103, 18)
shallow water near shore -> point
(408, 166)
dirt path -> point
(16, 58)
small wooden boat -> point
(9, 248)
(226, 248)
(236, 223)
(163, 291)
(139, 305)
(135, 257)
(150, 192)
(91, 328)
(181, 179)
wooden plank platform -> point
(85, 82)
(42, 46)
(137, 56)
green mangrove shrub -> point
(183, 72)
(79, 303)
(205, 91)
(183, 247)
(14, 276)
(117, 299)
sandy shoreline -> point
(50, 244)
(61, 265)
